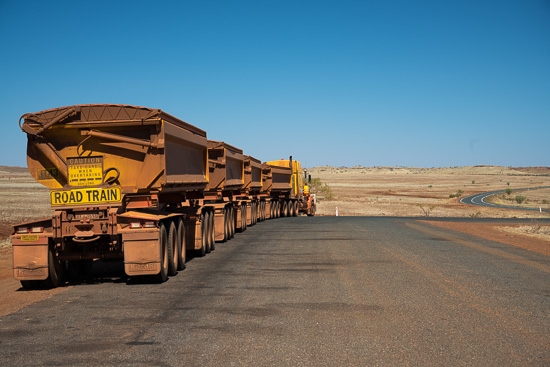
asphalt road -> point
(479, 199)
(323, 291)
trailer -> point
(137, 185)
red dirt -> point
(491, 232)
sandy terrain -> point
(376, 191)
(427, 191)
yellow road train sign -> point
(86, 196)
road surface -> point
(322, 291)
(479, 199)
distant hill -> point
(13, 169)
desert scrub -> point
(426, 210)
(319, 188)
(456, 194)
(521, 199)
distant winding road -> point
(479, 199)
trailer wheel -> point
(207, 231)
(245, 211)
(230, 221)
(163, 248)
(295, 209)
(233, 221)
(212, 236)
(226, 225)
(253, 213)
(30, 284)
(173, 255)
(202, 251)
(181, 243)
(55, 270)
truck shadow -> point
(104, 271)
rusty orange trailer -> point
(138, 185)
(125, 182)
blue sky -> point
(342, 83)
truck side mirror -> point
(309, 178)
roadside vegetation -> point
(320, 189)
(537, 199)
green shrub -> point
(456, 194)
(508, 191)
(320, 188)
(520, 199)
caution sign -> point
(86, 196)
(85, 171)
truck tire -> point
(254, 213)
(242, 228)
(262, 211)
(181, 243)
(207, 230)
(55, 270)
(30, 284)
(233, 221)
(225, 224)
(163, 248)
(173, 255)
(202, 251)
(212, 232)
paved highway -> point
(323, 291)
(479, 199)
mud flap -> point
(30, 257)
(141, 253)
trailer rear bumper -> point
(142, 254)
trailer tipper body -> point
(134, 184)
